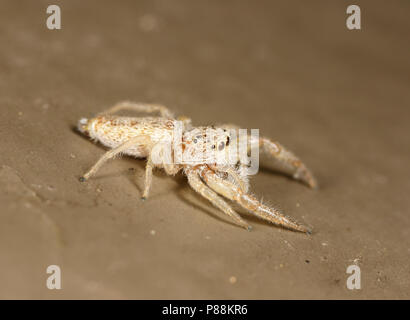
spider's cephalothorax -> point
(206, 145)
(206, 155)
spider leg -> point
(239, 181)
(288, 162)
(148, 178)
(112, 153)
(169, 167)
(197, 184)
(140, 107)
(232, 192)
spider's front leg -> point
(233, 192)
(242, 183)
(196, 183)
(288, 162)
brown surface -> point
(338, 98)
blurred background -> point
(338, 98)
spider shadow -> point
(75, 130)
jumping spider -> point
(140, 136)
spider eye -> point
(195, 141)
(213, 146)
(221, 146)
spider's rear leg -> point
(196, 183)
(118, 150)
(112, 153)
(232, 192)
(286, 160)
(140, 107)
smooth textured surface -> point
(338, 98)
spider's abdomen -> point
(113, 131)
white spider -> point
(152, 137)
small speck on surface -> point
(152, 232)
(232, 280)
(307, 261)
